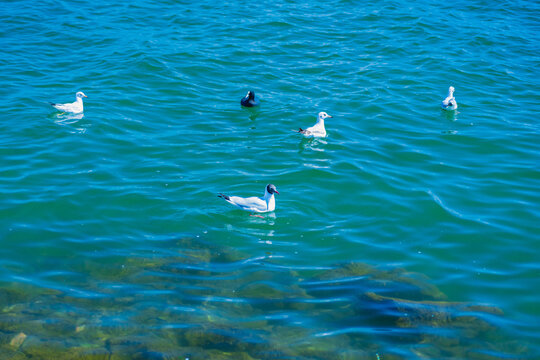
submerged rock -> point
(433, 313)
(365, 277)
(205, 301)
(17, 340)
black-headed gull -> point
(450, 102)
(255, 204)
(249, 100)
(318, 129)
(74, 107)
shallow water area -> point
(408, 232)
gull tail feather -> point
(223, 196)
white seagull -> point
(255, 204)
(74, 107)
(450, 102)
(318, 129)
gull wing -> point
(249, 204)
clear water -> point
(407, 233)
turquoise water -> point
(407, 233)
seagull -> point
(249, 100)
(318, 129)
(255, 204)
(74, 107)
(450, 102)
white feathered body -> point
(317, 130)
(255, 204)
(74, 107)
(449, 103)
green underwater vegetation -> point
(245, 313)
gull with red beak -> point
(318, 129)
(255, 204)
(74, 107)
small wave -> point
(453, 212)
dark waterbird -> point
(249, 100)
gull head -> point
(271, 189)
(323, 115)
(451, 90)
(80, 95)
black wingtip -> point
(223, 196)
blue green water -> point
(407, 233)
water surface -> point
(407, 233)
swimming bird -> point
(450, 102)
(318, 129)
(249, 100)
(255, 204)
(74, 107)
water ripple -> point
(110, 225)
